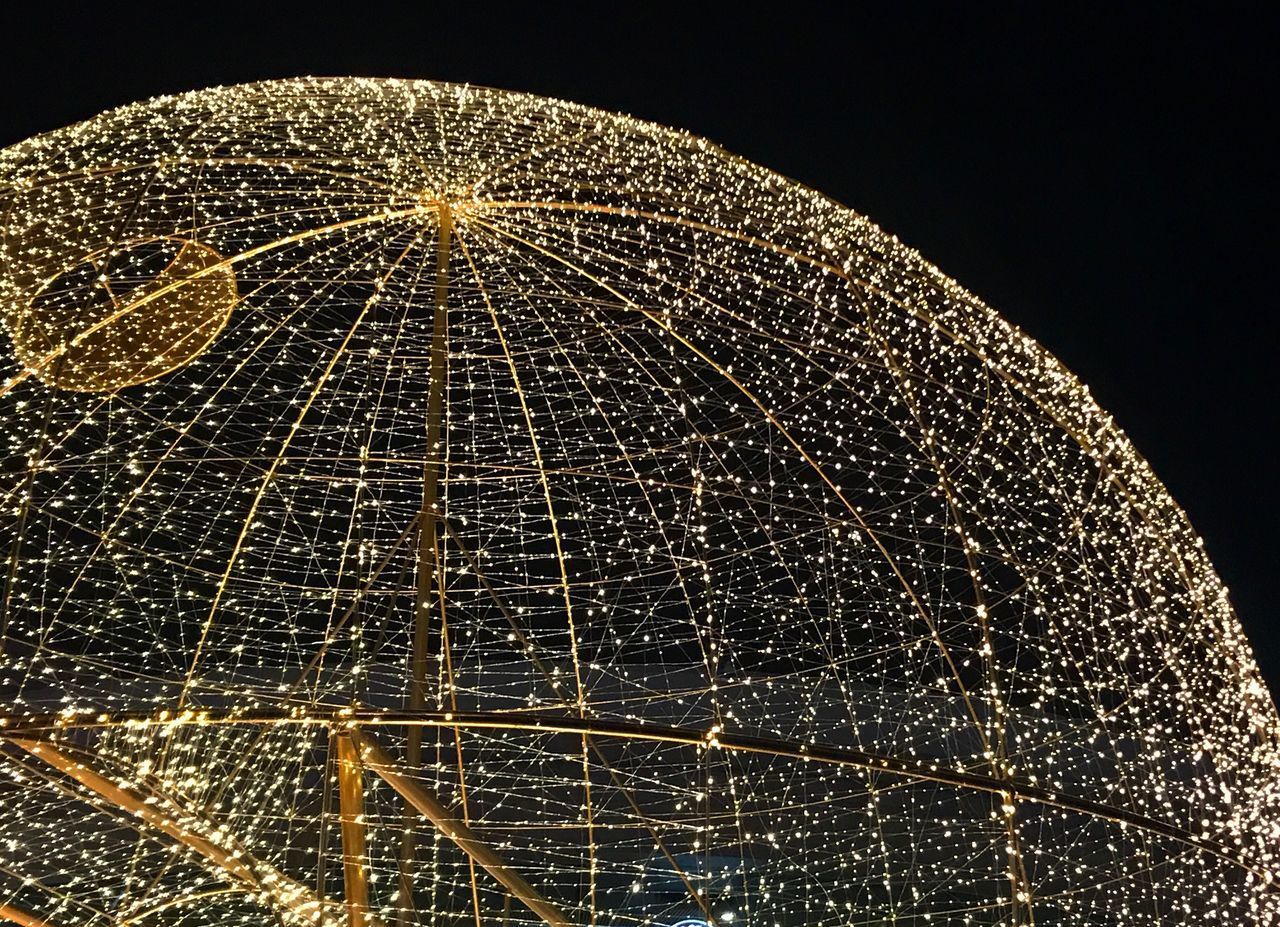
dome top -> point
(433, 502)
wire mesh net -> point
(702, 552)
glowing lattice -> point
(433, 505)
(111, 322)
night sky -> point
(1103, 180)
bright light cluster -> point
(433, 505)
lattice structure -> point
(432, 505)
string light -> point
(425, 504)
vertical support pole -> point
(326, 808)
(429, 578)
(354, 856)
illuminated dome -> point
(435, 505)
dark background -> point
(1104, 180)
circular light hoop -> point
(126, 316)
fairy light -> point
(760, 573)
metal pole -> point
(380, 762)
(223, 851)
(428, 544)
(354, 860)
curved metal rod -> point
(913, 769)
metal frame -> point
(21, 730)
(165, 813)
(380, 762)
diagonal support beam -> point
(16, 915)
(354, 857)
(291, 898)
(430, 807)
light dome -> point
(434, 505)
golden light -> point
(425, 504)
(125, 316)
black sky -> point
(1105, 180)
